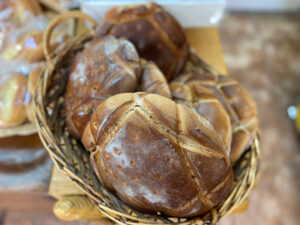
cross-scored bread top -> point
(204, 102)
(158, 155)
(155, 33)
(238, 103)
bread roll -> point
(106, 67)
(153, 81)
(155, 33)
(30, 46)
(237, 102)
(31, 89)
(13, 100)
(157, 155)
(204, 102)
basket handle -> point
(57, 20)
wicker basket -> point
(73, 159)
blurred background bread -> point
(155, 33)
(30, 46)
(13, 100)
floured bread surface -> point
(238, 103)
(106, 67)
(157, 155)
(154, 32)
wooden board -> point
(207, 43)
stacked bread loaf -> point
(161, 139)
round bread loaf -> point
(157, 155)
(13, 99)
(152, 80)
(104, 68)
(155, 33)
(204, 102)
(237, 102)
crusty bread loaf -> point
(104, 68)
(204, 102)
(13, 100)
(156, 35)
(238, 103)
(157, 155)
(152, 80)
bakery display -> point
(154, 32)
(148, 145)
(238, 103)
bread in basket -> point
(71, 157)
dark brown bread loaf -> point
(204, 102)
(152, 80)
(156, 35)
(238, 103)
(157, 155)
(105, 67)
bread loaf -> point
(237, 102)
(152, 80)
(106, 67)
(30, 46)
(156, 35)
(204, 102)
(157, 155)
(13, 99)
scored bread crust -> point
(238, 103)
(106, 67)
(155, 33)
(152, 80)
(204, 102)
(157, 155)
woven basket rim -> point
(51, 142)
